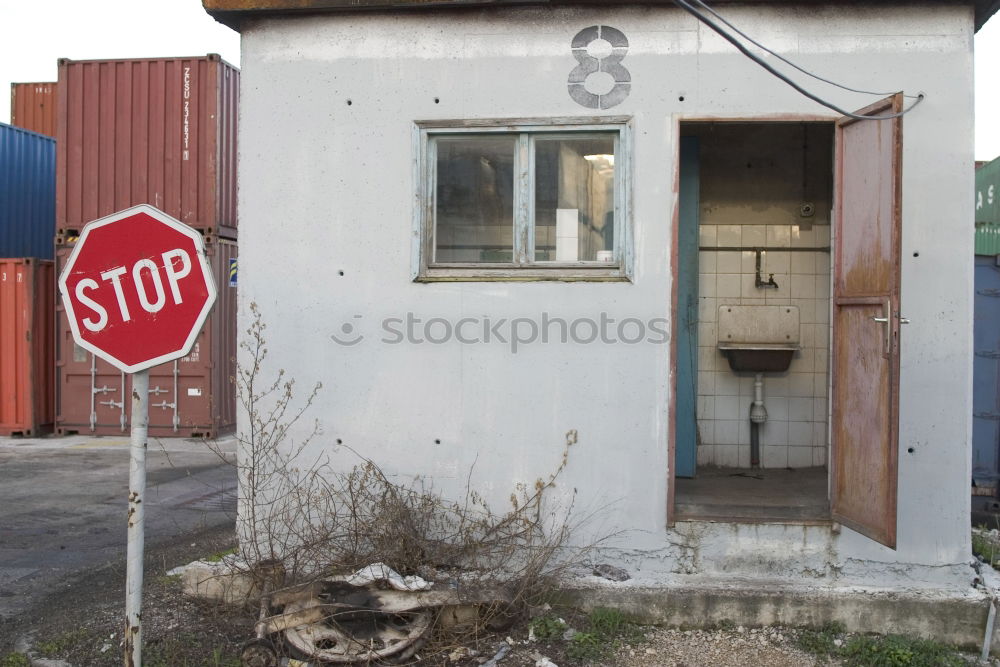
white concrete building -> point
(483, 225)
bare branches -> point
(316, 520)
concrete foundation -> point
(952, 617)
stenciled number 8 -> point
(610, 64)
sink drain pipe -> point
(758, 415)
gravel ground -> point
(659, 647)
(81, 623)
(774, 647)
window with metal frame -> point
(523, 200)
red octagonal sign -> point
(137, 288)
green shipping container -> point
(987, 238)
(988, 193)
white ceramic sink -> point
(758, 339)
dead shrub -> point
(318, 521)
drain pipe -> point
(758, 415)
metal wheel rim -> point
(331, 642)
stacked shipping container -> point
(34, 106)
(27, 189)
(27, 292)
(27, 300)
(161, 132)
(986, 339)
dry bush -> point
(316, 520)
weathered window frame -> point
(620, 269)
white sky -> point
(33, 34)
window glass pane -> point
(474, 199)
(575, 199)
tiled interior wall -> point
(795, 434)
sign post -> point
(137, 289)
(136, 519)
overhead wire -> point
(786, 60)
(686, 6)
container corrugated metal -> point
(34, 106)
(988, 192)
(192, 397)
(987, 238)
(986, 374)
(156, 131)
(27, 301)
(27, 193)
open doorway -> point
(753, 435)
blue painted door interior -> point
(686, 443)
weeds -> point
(171, 652)
(830, 641)
(62, 643)
(821, 641)
(547, 627)
(604, 631)
(15, 660)
(587, 647)
(613, 624)
(897, 651)
(219, 555)
(985, 547)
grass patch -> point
(611, 624)
(606, 629)
(587, 647)
(603, 631)
(176, 652)
(821, 641)
(547, 627)
(897, 651)
(15, 660)
(61, 644)
(219, 555)
(830, 641)
(984, 547)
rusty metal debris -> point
(338, 621)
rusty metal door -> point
(866, 322)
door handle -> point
(888, 325)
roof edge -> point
(234, 13)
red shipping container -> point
(27, 297)
(191, 397)
(159, 131)
(33, 106)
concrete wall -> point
(327, 202)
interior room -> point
(759, 346)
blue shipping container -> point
(986, 374)
(27, 193)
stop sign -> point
(137, 288)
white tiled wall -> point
(795, 434)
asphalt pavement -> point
(63, 504)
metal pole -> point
(136, 519)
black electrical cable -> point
(784, 59)
(683, 4)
